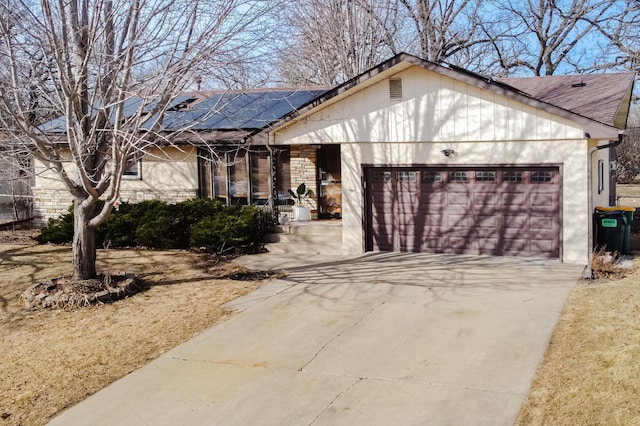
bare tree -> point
(446, 30)
(331, 41)
(629, 151)
(622, 35)
(112, 69)
(541, 36)
(335, 40)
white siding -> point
(164, 169)
(435, 108)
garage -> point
(512, 211)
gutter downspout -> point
(612, 144)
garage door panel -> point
(542, 199)
(485, 199)
(540, 246)
(434, 220)
(431, 198)
(515, 246)
(431, 244)
(405, 197)
(517, 222)
(382, 217)
(498, 212)
(542, 223)
(515, 199)
(458, 244)
(458, 221)
(488, 245)
(458, 198)
(485, 221)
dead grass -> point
(52, 359)
(590, 374)
(628, 189)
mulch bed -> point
(19, 236)
(65, 293)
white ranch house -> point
(413, 156)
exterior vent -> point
(395, 89)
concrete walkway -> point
(382, 339)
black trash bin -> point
(628, 213)
(610, 229)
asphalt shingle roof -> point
(595, 96)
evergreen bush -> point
(199, 223)
(58, 230)
(234, 229)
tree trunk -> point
(84, 242)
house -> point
(412, 156)
(217, 151)
(420, 157)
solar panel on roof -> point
(254, 110)
(222, 111)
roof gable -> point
(596, 128)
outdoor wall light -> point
(448, 152)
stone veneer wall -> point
(51, 203)
(303, 165)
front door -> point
(330, 193)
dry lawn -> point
(53, 359)
(591, 371)
(590, 374)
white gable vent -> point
(395, 89)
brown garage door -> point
(499, 211)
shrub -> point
(236, 228)
(156, 224)
(58, 230)
(162, 229)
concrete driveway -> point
(382, 339)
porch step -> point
(314, 237)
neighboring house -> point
(412, 156)
(219, 153)
(15, 183)
(437, 159)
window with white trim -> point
(133, 169)
(600, 176)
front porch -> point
(311, 237)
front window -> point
(259, 177)
(236, 175)
(133, 169)
(238, 178)
(283, 173)
(220, 184)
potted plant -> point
(300, 211)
